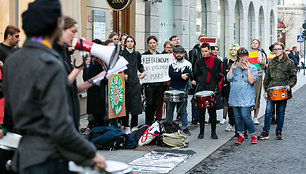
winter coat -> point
(280, 73)
(132, 84)
(96, 95)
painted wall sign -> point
(119, 5)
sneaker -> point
(230, 128)
(278, 135)
(214, 135)
(186, 131)
(263, 136)
(133, 129)
(256, 122)
(239, 140)
(127, 130)
(194, 122)
(223, 121)
(254, 140)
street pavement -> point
(268, 156)
(206, 146)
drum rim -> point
(4, 147)
(173, 92)
(197, 94)
(276, 87)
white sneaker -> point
(127, 130)
(230, 128)
(133, 129)
(223, 121)
(256, 122)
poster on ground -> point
(156, 67)
(116, 96)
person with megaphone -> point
(62, 46)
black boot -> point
(214, 135)
(201, 135)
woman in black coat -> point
(207, 75)
(132, 84)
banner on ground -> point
(116, 96)
(156, 67)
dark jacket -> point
(194, 55)
(294, 57)
(37, 91)
(280, 73)
(73, 90)
(227, 64)
(132, 84)
(96, 95)
(200, 74)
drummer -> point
(207, 75)
(281, 72)
(179, 72)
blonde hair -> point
(229, 51)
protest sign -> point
(116, 96)
(271, 56)
(253, 58)
(156, 67)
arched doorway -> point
(201, 21)
(221, 27)
(272, 26)
(237, 21)
(251, 24)
(261, 25)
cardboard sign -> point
(253, 58)
(116, 96)
(211, 41)
(271, 56)
(156, 67)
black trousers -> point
(212, 118)
(134, 120)
(5, 155)
(152, 94)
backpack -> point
(114, 144)
(170, 126)
(176, 139)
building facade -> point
(291, 16)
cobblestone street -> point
(269, 156)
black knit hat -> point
(41, 17)
(179, 49)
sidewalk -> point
(203, 148)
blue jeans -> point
(242, 116)
(194, 109)
(280, 110)
(181, 106)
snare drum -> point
(205, 99)
(174, 96)
(277, 93)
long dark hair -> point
(129, 36)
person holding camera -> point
(243, 77)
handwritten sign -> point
(156, 67)
(116, 96)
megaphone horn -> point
(108, 54)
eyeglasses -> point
(278, 49)
(243, 51)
